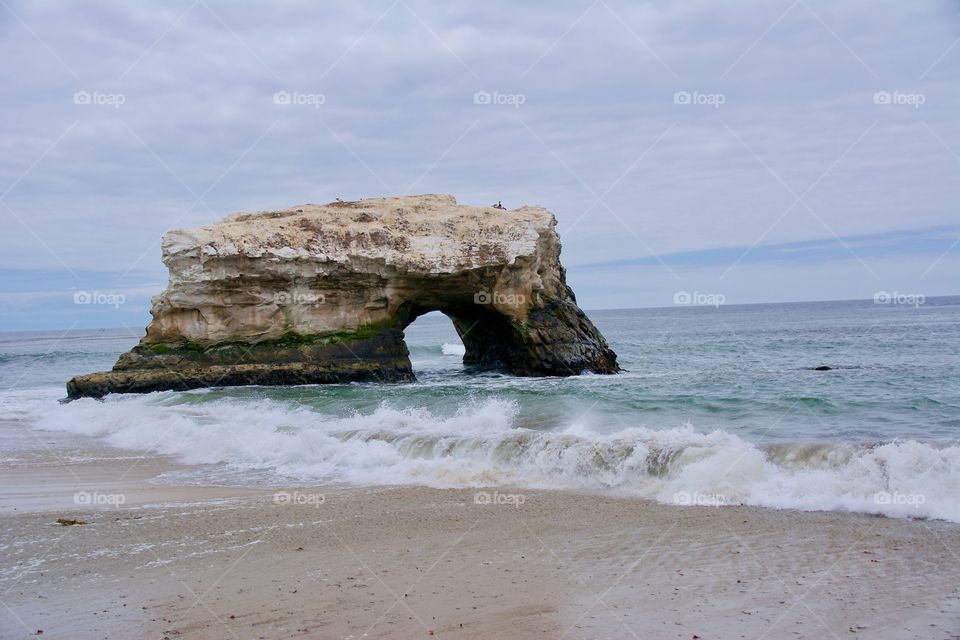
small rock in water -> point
(823, 367)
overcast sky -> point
(763, 151)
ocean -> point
(715, 406)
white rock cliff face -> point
(321, 293)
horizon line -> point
(674, 306)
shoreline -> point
(107, 478)
(63, 493)
(348, 561)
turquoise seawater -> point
(716, 405)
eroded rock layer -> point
(322, 293)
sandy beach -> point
(341, 562)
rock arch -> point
(322, 293)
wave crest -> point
(479, 445)
(450, 349)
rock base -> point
(98, 385)
(292, 360)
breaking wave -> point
(480, 444)
(450, 349)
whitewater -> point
(698, 418)
(480, 446)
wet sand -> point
(54, 486)
(336, 562)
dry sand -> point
(340, 562)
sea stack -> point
(322, 294)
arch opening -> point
(490, 340)
(434, 346)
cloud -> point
(181, 126)
(920, 243)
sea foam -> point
(479, 445)
(450, 349)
